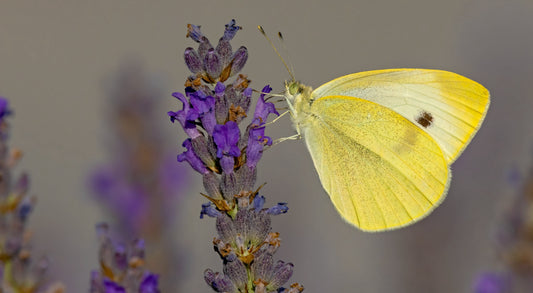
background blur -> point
(55, 57)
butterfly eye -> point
(294, 88)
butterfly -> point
(383, 141)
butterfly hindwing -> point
(380, 170)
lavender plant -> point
(121, 267)
(138, 186)
(19, 271)
(227, 158)
(514, 245)
(141, 185)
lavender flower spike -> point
(19, 270)
(217, 64)
(121, 267)
(140, 185)
(214, 107)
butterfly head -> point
(298, 96)
(295, 90)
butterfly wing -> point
(380, 170)
(446, 105)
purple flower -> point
(192, 158)
(193, 32)
(219, 89)
(19, 269)
(215, 64)
(149, 284)
(256, 135)
(491, 283)
(259, 202)
(112, 287)
(256, 142)
(121, 267)
(123, 198)
(208, 209)
(226, 138)
(183, 116)
(219, 282)
(231, 30)
(278, 209)
(262, 108)
(202, 108)
(4, 110)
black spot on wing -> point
(425, 119)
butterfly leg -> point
(292, 137)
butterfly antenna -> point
(276, 50)
(280, 36)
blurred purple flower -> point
(4, 108)
(141, 184)
(19, 270)
(121, 267)
(491, 283)
(134, 186)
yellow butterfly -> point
(382, 141)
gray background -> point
(55, 55)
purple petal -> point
(247, 92)
(259, 201)
(112, 287)
(226, 138)
(193, 31)
(280, 208)
(4, 111)
(256, 142)
(149, 284)
(183, 116)
(203, 108)
(262, 108)
(210, 210)
(192, 158)
(231, 30)
(24, 209)
(491, 283)
(201, 102)
(219, 89)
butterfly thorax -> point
(299, 99)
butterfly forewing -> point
(380, 170)
(447, 106)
